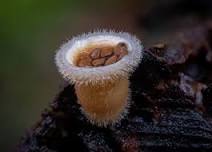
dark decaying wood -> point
(171, 107)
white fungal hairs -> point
(74, 74)
(103, 92)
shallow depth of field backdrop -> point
(32, 30)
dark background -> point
(32, 30)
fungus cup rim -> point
(122, 68)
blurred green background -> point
(30, 33)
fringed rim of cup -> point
(83, 75)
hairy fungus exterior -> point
(99, 65)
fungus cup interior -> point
(95, 55)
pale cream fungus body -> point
(99, 65)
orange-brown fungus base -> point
(94, 56)
(103, 103)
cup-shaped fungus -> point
(99, 65)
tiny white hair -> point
(84, 75)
